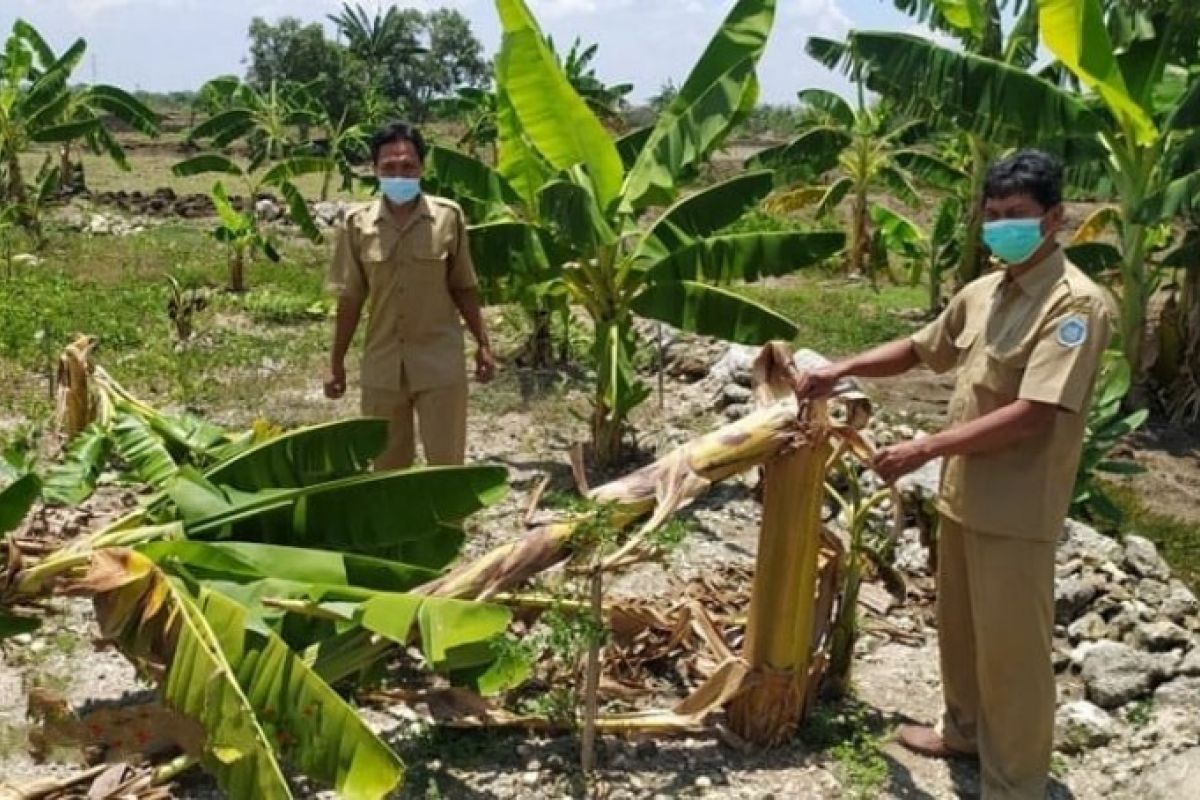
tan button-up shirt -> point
(406, 274)
(1037, 337)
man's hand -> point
(814, 384)
(485, 364)
(893, 463)
(335, 384)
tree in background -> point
(289, 51)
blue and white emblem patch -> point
(1072, 331)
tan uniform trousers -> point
(441, 414)
(996, 624)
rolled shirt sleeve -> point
(935, 342)
(1066, 355)
(347, 279)
(462, 269)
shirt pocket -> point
(964, 342)
(1002, 370)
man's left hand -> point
(893, 463)
(485, 364)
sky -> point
(165, 45)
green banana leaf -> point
(992, 99)
(704, 213)
(306, 456)
(206, 163)
(630, 145)
(746, 256)
(299, 212)
(810, 155)
(612, 354)
(834, 195)
(142, 450)
(706, 107)
(830, 104)
(1186, 112)
(74, 480)
(257, 701)
(411, 516)
(65, 132)
(295, 167)
(1179, 197)
(479, 189)
(1094, 257)
(243, 562)
(1075, 32)
(125, 107)
(519, 163)
(569, 208)
(712, 311)
(12, 625)
(225, 126)
(555, 118)
(15, 501)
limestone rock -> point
(1081, 541)
(1081, 725)
(1115, 673)
(1143, 560)
(1071, 598)
(1089, 627)
(1171, 779)
(1161, 635)
(1180, 603)
(1183, 693)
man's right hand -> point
(335, 384)
(816, 383)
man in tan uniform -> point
(406, 255)
(1026, 341)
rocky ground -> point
(1127, 646)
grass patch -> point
(115, 288)
(853, 735)
(837, 317)
(1177, 540)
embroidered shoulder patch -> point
(1072, 331)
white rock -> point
(703, 782)
(1115, 673)
(1191, 663)
(1082, 541)
(1081, 725)
(531, 778)
(1143, 560)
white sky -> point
(161, 45)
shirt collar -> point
(381, 216)
(1035, 280)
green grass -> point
(837, 317)
(116, 289)
(853, 735)
(1177, 540)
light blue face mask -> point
(1013, 241)
(400, 190)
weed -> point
(1140, 712)
(1177, 540)
(853, 735)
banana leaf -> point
(305, 457)
(555, 118)
(411, 516)
(257, 702)
(143, 451)
(242, 562)
(830, 104)
(15, 501)
(704, 213)
(809, 156)
(473, 184)
(125, 107)
(746, 256)
(205, 163)
(707, 106)
(518, 162)
(712, 311)
(74, 480)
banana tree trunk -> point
(680, 476)
(779, 632)
(859, 233)
(971, 265)
(64, 167)
(18, 195)
(237, 270)
(326, 181)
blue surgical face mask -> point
(400, 190)
(1013, 241)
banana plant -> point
(561, 208)
(239, 230)
(38, 105)
(870, 149)
(1135, 116)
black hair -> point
(1030, 172)
(397, 132)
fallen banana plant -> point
(261, 574)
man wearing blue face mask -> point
(1026, 341)
(406, 256)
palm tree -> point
(374, 39)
